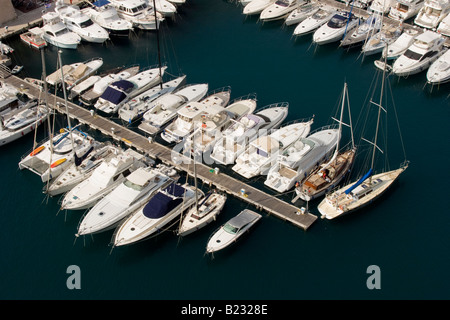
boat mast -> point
(65, 102)
(157, 43)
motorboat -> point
(374, 180)
(399, 46)
(105, 15)
(381, 6)
(203, 213)
(301, 13)
(10, 99)
(362, 32)
(385, 37)
(90, 97)
(336, 28)
(296, 162)
(313, 22)
(120, 92)
(218, 119)
(232, 230)
(330, 172)
(244, 2)
(164, 109)
(432, 13)
(236, 137)
(405, 9)
(363, 4)
(439, 71)
(444, 26)
(280, 9)
(262, 153)
(426, 49)
(183, 125)
(56, 33)
(135, 108)
(139, 13)
(81, 169)
(83, 86)
(134, 192)
(165, 206)
(104, 178)
(22, 121)
(52, 156)
(165, 8)
(256, 6)
(56, 77)
(78, 22)
(33, 37)
(82, 71)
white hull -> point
(314, 22)
(439, 71)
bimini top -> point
(101, 3)
(161, 204)
(115, 92)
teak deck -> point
(221, 181)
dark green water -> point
(405, 233)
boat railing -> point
(221, 89)
(273, 105)
(330, 126)
(250, 96)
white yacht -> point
(296, 162)
(56, 33)
(232, 230)
(432, 13)
(336, 28)
(120, 92)
(83, 86)
(165, 8)
(165, 206)
(82, 72)
(203, 213)
(78, 22)
(236, 137)
(426, 49)
(90, 97)
(105, 15)
(314, 22)
(164, 109)
(139, 13)
(103, 180)
(262, 153)
(33, 37)
(135, 108)
(21, 121)
(439, 71)
(362, 32)
(256, 6)
(135, 191)
(381, 6)
(81, 169)
(385, 37)
(280, 9)
(405, 9)
(51, 157)
(444, 26)
(399, 46)
(301, 13)
(217, 120)
(183, 125)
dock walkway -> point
(221, 181)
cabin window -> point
(412, 55)
(86, 23)
(230, 229)
(262, 153)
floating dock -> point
(221, 181)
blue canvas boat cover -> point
(101, 3)
(368, 174)
(175, 190)
(160, 205)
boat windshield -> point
(262, 153)
(282, 3)
(337, 22)
(412, 55)
(132, 185)
(86, 23)
(139, 8)
(230, 228)
(61, 32)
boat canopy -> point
(175, 189)
(115, 92)
(101, 3)
(368, 174)
(160, 205)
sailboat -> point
(331, 172)
(369, 186)
(204, 211)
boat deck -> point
(221, 181)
